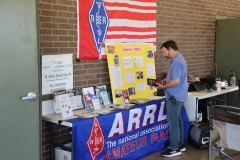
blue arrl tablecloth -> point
(124, 134)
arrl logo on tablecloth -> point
(99, 22)
(96, 140)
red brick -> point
(49, 1)
(59, 7)
(48, 13)
(44, 6)
(60, 32)
(65, 14)
(45, 19)
(60, 44)
(45, 31)
(66, 38)
(49, 25)
(65, 26)
(59, 20)
(49, 38)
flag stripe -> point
(121, 6)
(132, 23)
(153, 43)
(127, 40)
(131, 29)
(132, 33)
(130, 36)
(131, 15)
(147, 1)
(131, 4)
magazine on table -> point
(103, 96)
(102, 93)
(96, 102)
(88, 102)
(87, 92)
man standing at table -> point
(176, 92)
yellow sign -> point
(129, 67)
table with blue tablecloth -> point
(123, 134)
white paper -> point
(56, 105)
(57, 73)
(65, 105)
(78, 99)
(127, 62)
(129, 77)
(141, 86)
(88, 90)
(150, 69)
(73, 101)
(116, 76)
(139, 61)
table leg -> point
(51, 141)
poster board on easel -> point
(129, 67)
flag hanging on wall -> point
(114, 21)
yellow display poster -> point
(129, 67)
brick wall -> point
(191, 23)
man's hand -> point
(159, 86)
(170, 84)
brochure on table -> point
(129, 67)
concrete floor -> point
(191, 153)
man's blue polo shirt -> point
(178, 70)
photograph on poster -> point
(116, 60)
(139, 75)
(111, 49)
(118, 93)
(131, 91)
(150, 54)
(126, 98)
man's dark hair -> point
(169, 44)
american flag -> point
(114, 21)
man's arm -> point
(171, 83)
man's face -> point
(166, 53)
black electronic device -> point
(159, 92)
(198, 86)
(199, 135)
(208, 81)
(191, 88)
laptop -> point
(199, 87)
